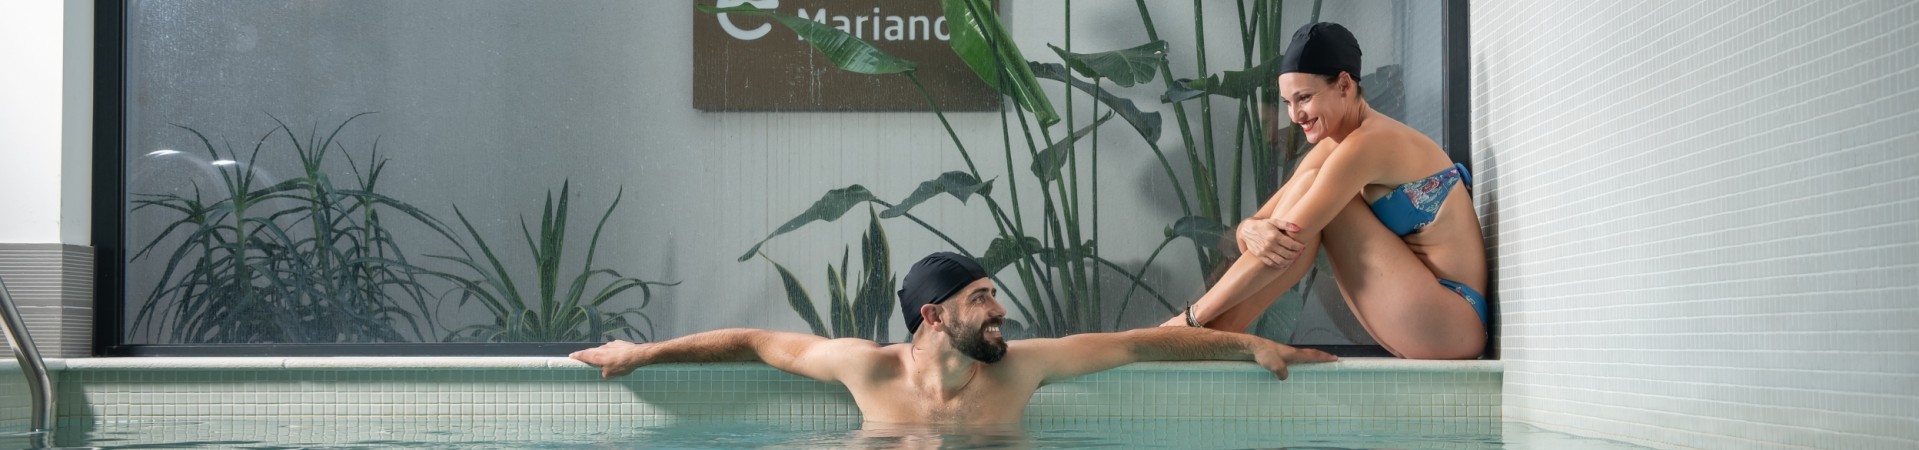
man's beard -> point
(974, 344)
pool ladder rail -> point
(39, 422)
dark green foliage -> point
(576, 314)
(868, 312)
(298, 261)
(1051, 246)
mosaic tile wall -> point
(1158, 390)
(15, 404)
(1702, 217)
(809, 433)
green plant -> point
(298, 261)
(574, 315)
(1055, 251)
(1273, 153)
(869, 310)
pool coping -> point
(154, 388)
(1363, 364)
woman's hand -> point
(1270, 240)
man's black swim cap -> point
(933, 279)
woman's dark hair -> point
(1332, 79)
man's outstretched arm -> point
(801, 354)
(1081, 354)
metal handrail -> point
(41, 417)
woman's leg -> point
(1248, 287)
(1392, 292)
(1396, 297)
(1246, 290)
(1239, 318)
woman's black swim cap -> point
(1323, 48)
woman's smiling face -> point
(1314, 104)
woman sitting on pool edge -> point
(1391, 209)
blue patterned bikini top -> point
(1412, 206)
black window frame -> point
(109, 211)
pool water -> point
(605, 433)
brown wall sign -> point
(744, 63)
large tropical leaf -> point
(1234, 84)
(845, 51)
(1046, 165)
(960, 185)
(984, 45)
(859, 312)
(1123, 67)
(1200, 229)
(1003, 252)
(1146, 123)
(1065, 256)
(829, 208)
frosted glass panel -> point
(383, 171)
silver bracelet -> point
(1190, 321)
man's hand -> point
(615, 359)
(1275, 356)
(1270, 240)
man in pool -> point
(958, 369)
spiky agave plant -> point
(297, 261)
(867, 312)
(575, 314)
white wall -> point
(46, 116)
(1703, 217)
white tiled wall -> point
(1704, 217)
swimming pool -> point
(535, 432)
(559, 403)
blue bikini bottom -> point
(1472, 297)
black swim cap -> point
(933, 279)
(1323, 48)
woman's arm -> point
(1268, 239)
(1295, 186)
(1346, 171)
(1260, 235)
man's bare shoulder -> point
(869, 358)
(851, 345)
(855, 350)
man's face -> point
(973, 321)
